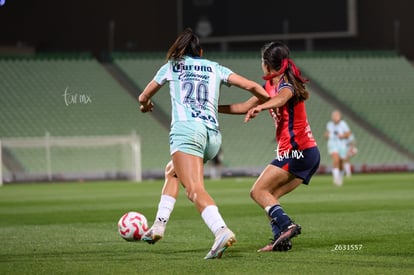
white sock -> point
(341, 177)
(165, 207)
(212, 218)
(347, 167)
(336, 174)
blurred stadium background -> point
(71, 72)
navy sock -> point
(279, 217)
(275, 229)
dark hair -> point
(276, 56)
(187, 43)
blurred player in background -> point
(351, 150)
(337, 133)
(195, 137)
(297, 157)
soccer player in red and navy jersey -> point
(297, 157)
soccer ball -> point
(132, 226)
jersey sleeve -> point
(224, 73)
(284, 85)
(162, 75)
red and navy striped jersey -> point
(293, 131)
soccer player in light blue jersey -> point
(195, 136)
(337, 133)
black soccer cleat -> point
(284, 246)
(283, 243)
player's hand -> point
(147, 107)
(252, 113)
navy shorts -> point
(301, 163)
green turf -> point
(71, 228)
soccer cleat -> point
(285, 246)
(224, 238)
(154, 234)
(338, 182)
(283, 241)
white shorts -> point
(338, 147)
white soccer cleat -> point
(154, 234)
(338, 182)
(224, 238)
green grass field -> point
(363, 227)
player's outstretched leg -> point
(224, 239)
(165, 206)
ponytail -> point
(187, 43)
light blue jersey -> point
(194, 89)
(335, 144)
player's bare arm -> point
(345, 135)
(239, 108)
(145, 97)
(251, 86)
(274, 102)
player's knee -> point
(191, 195)
(253, 193)
(169, 170)
(194, 193)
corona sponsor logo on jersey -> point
(179, 67)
